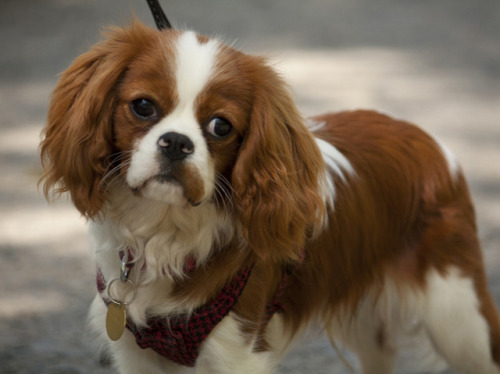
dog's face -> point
(185, 120)
(180, 119)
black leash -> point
(161, 19)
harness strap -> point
(179, 337)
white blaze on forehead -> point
(194, 66)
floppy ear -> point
(277, 175)
(77, 146)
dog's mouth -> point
(175, 188)
(165, 178)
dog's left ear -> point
(277, 175)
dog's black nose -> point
(175, 146)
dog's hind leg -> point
(462, 321)
(369, 335)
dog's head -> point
(185, 120)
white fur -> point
(160, 237)
(314, 125)
(194, 64)
(394, 313)
(451, 159)
(228, 351)
(279, 338)
(335, 160)
(337, 164)
(456, 327)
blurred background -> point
(432, 62)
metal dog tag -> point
(116, 319)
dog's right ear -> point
(78, 141)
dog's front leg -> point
(228, 351)
(127, 357)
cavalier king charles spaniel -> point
(225, 225)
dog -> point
(225, 225)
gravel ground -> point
(435, 63)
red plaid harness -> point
(179, 337)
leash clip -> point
(125, 268)
(124, 280)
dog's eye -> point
(219, 127)
(144, 109)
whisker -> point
(224, 191)
(226, 185)
(109, 182)
(114, 167)
(217, 198)
(111, 173)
